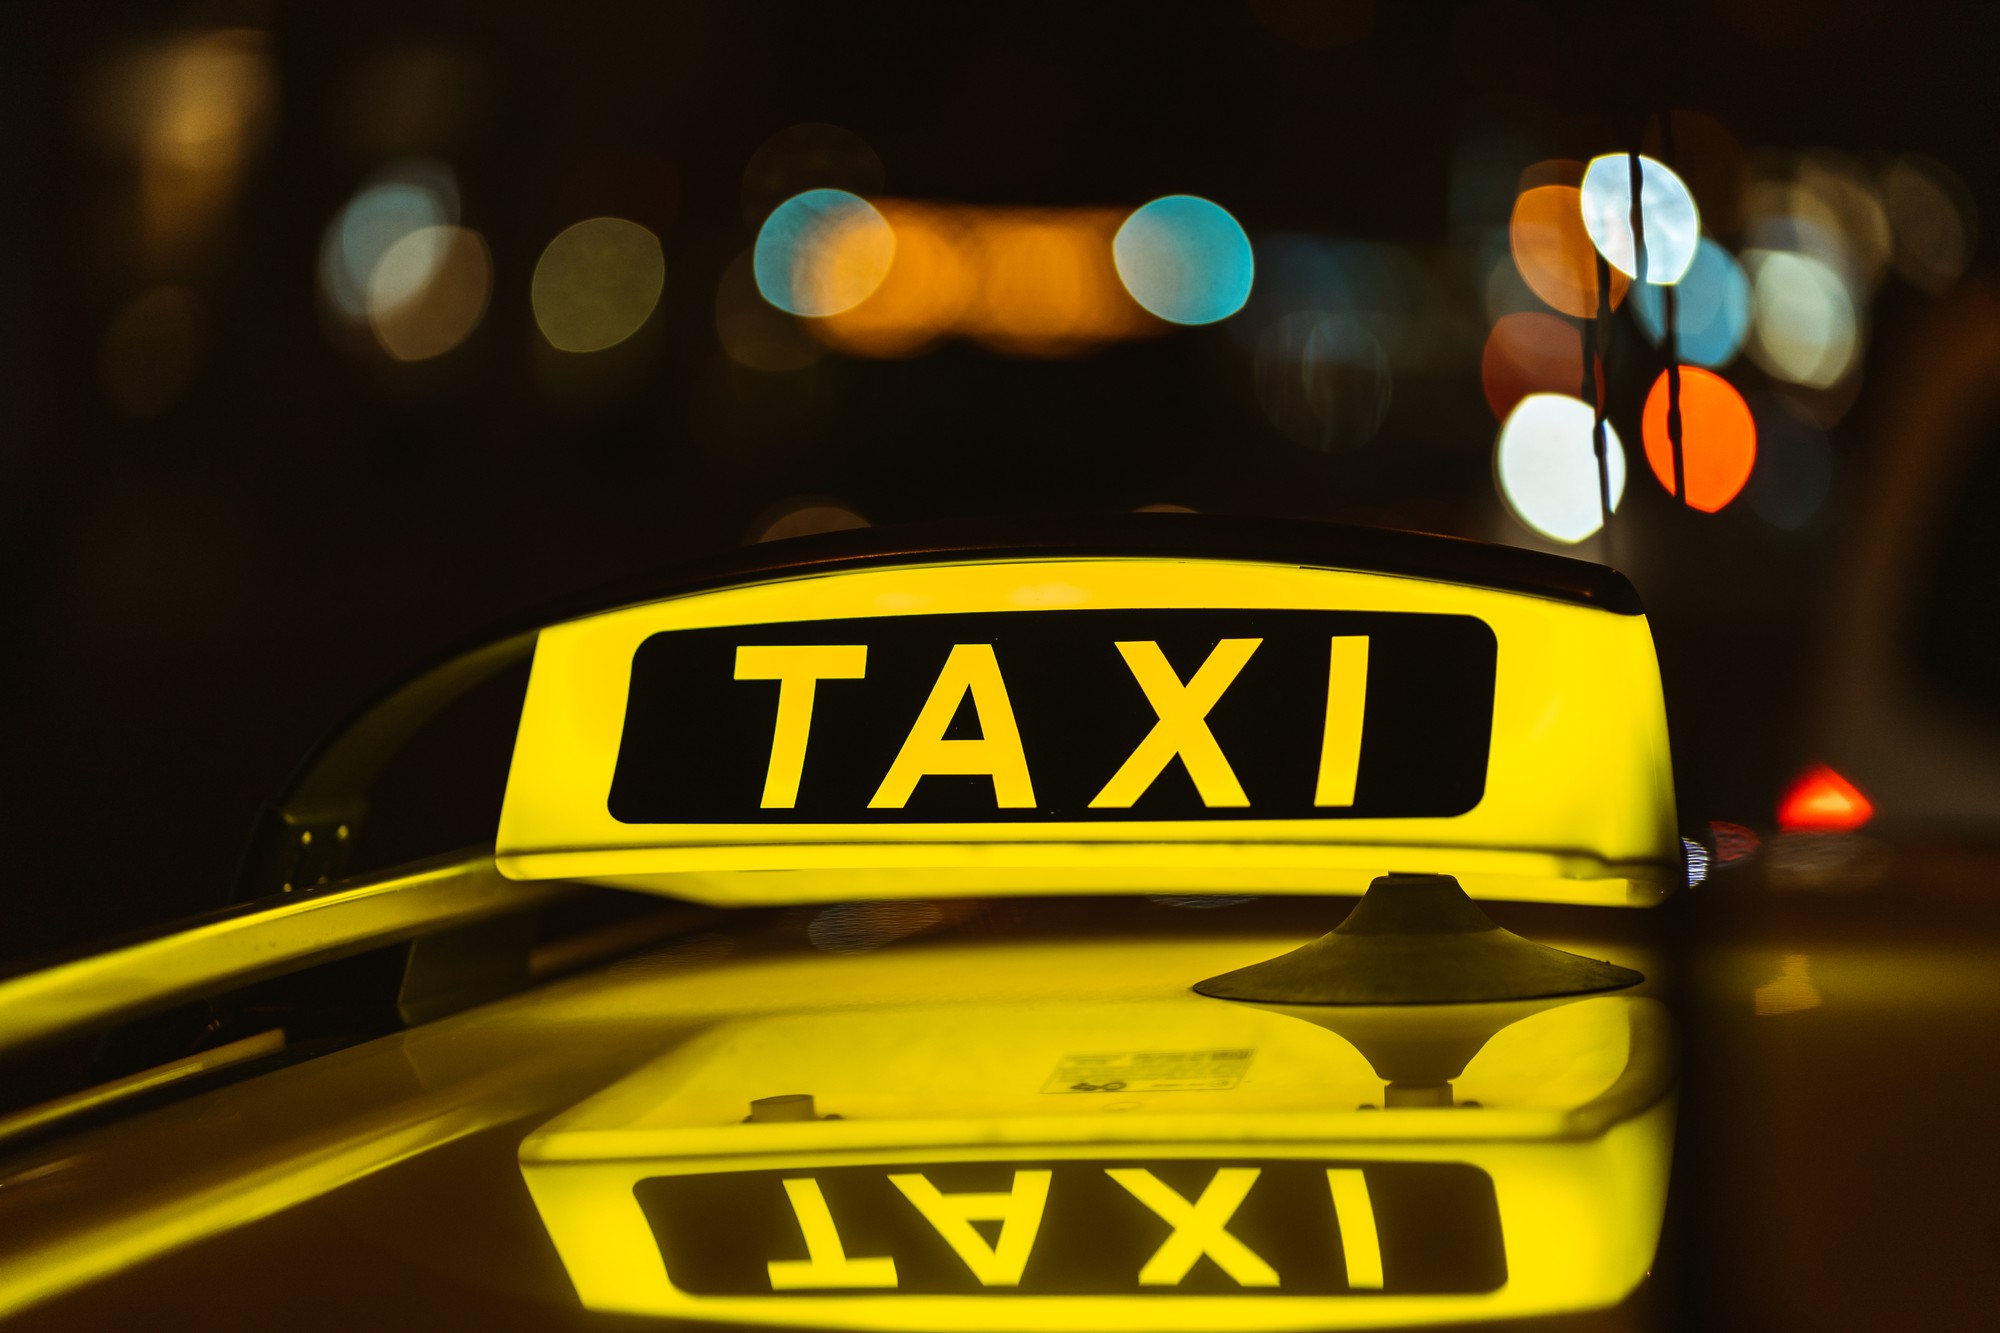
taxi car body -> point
(835, 961)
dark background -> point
(201, 590)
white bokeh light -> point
(1804, 327)
(1673, 223)
(416, 195)
(1547, 466)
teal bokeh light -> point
(795, 247)
(1712, 308)
(1185, 259)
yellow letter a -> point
(1018, 1211)
(997, 753)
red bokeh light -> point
(1718, 438)
(1822, 801)
(1733, 842)
(1529, 353)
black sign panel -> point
(700, 737)
(1436, 1230)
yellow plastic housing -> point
(1577, 804)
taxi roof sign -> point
(1176, 703)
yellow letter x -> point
(1198, 1227)
(1183, 726)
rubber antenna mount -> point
(1417, 939)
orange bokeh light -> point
(1718, 437)
(1033, 282)
(1049, 285)
(1822, 801)
(920, 299)
(1529, 353)
(1554, 253)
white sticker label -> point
(1150, 1071)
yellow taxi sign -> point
(1012, 722)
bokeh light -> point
(1546, 465)
(1711, 308)
(1322, 379)
(150, 352)
(1932, 220)
(1819, 204)
(1672, 222)
(1185, 259)
(1555, 254)
(1718, 437)
(1820, 800)
(1803, 322)
(930, 283)
(1527, 353)
(1832, 190)
(1342, 371)
(1277, 369)
(429, 291)
(1790, 992)
(1346, 373)
(1022, 281)
(406, 197)
(192, 109)
(596, 283)
(822, 252)
(1733, 842)
(1046, 285)
(755, 334)
(1794, 470)
(804, 516)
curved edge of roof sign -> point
(1165, 702)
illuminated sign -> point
(1111, 715)
(1095, 725)
(1256, 1170)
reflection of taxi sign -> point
(1116, 1227)
(1018, 723)
(948, 1185)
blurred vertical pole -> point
(1670, 303)
(1639, 275)
(1638, 179)
(1594, 385)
